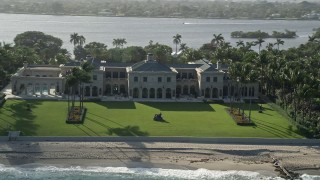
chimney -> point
(25, 64)
(150, 57)
(219, 64)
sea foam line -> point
(150, 172)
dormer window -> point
(207, 79)
(215, 79)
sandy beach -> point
(259, 158)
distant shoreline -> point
(174, 17)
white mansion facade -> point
(147, 79)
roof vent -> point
(150, 57)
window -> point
(215, 79)
(115, 75)
(159, 79)
(184, 75)
(145, 79)
(168, 79)
(135, 79)
(207, 79)
(190, 75)
(94, 77)
(108, 74)
(122, 75)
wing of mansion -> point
(148, 79)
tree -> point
(279, 42)
(183, 46)
(74, 39)
(96, 50)
(82, 40)
(77, 39)
(46, 46)
(119, 42)
(176, 41)
(259, 42)
(133, 54)
(161, 52)
(217, 39)
(240, 43)
(74, 81)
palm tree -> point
(75, 79)
(82, 40)
(176, 41)
(119, 42)
(240, 43)
(259, 42)
(217, 39)
(183, 46)
(279, 42)
(74, 39)
(269, 46)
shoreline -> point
(166, 155)
(156, 17)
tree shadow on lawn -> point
(118, 105)
(178, 106)
(119, 131)
(277, 131)
(22, 116)
(127, 131)
(254, 106)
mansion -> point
(148, 79)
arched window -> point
(37, 88)
(207, 93)
(252, 91)
(242, 91)
(135, 93)
(159, 93)
(246, 91)
(185, 90)
(193, 90)
(95, 91)
(115, 89)
(29, 89)
(144, 93)
(21, 87)
(178, 90)
(107, 90)
(123, 89)
(232, 91)
(225, 91)
(168, 93)
(44, 88)
(152, 93)
(214, 93)
(87, 91)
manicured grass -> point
(47, 118)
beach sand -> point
(258, 158)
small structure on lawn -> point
(13, 135)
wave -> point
(222, 23)
(78, 172)
(115, 173)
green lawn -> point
(47, 118)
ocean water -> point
(139, 31)
(120, 173)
